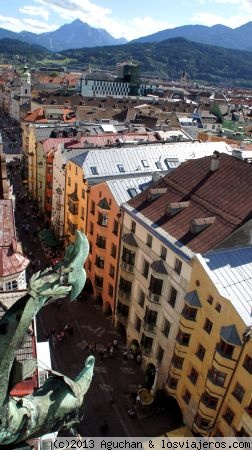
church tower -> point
(25, 88)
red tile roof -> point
(224, 194)
(96, 140)
(11, 261)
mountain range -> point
(238, 38)
(78, 34)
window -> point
(49, 185)
(146, 343)
(133, 227)
(217, 377)
(172, 297)
(226, 350)
(150, 317)
(149, 240)
(248, 364)
(111, 271)
(68, 181)
(49, 200)
(201, 422)
(187, 397)
(210, 299)
(238, 392)
(101, 242)
(141, 298)
(166, 327)
(82, 213)
(91, 228)
(163, 253)
(228, 416)
(183, 338)
(132, 192)
(98, 281)
(90, 248)
(99, 262)
(218, 307)
(160, 354)
(146, 267)
(110, 290)
(178, 266)
(116, 227)
(72, 227)
(208, 325)
(172, 382)
(103, 219)
(201, 352)
(125, 286)
(121, 168)
(156, 285)
(73, 207)
(11, 285)
(92, 207)
(189, 313)
(94, 170)
(83, 193)
(138, 324)
(209, 400)
(177, 361)
(50, 171)
(193, 376)
(76, 170)
(113, 250)
(128, 256)
(159, 165)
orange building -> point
(103, 232)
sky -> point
(122, 18)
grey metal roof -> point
(230, 335)
(123, 188)
(231, 273)
(159, 267)
(143, 159)
(192, 299)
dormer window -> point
(94, 170)
(171, 163)
(155, 193)
(145, 163)
(198, 225)
(121, 168)
(176, 207)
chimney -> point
(215, 161)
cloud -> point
(17, 25)
(209, 19)
(99, 17)
(35, 11)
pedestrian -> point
(94, 347)
(139, 358)
(101, 355)
(111, 351)
(138, 401)
(115, 344)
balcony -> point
(150, 327)
(154, 298)
(127, 267)
(215, 385)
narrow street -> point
(116, 380)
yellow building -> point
(211, 367)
